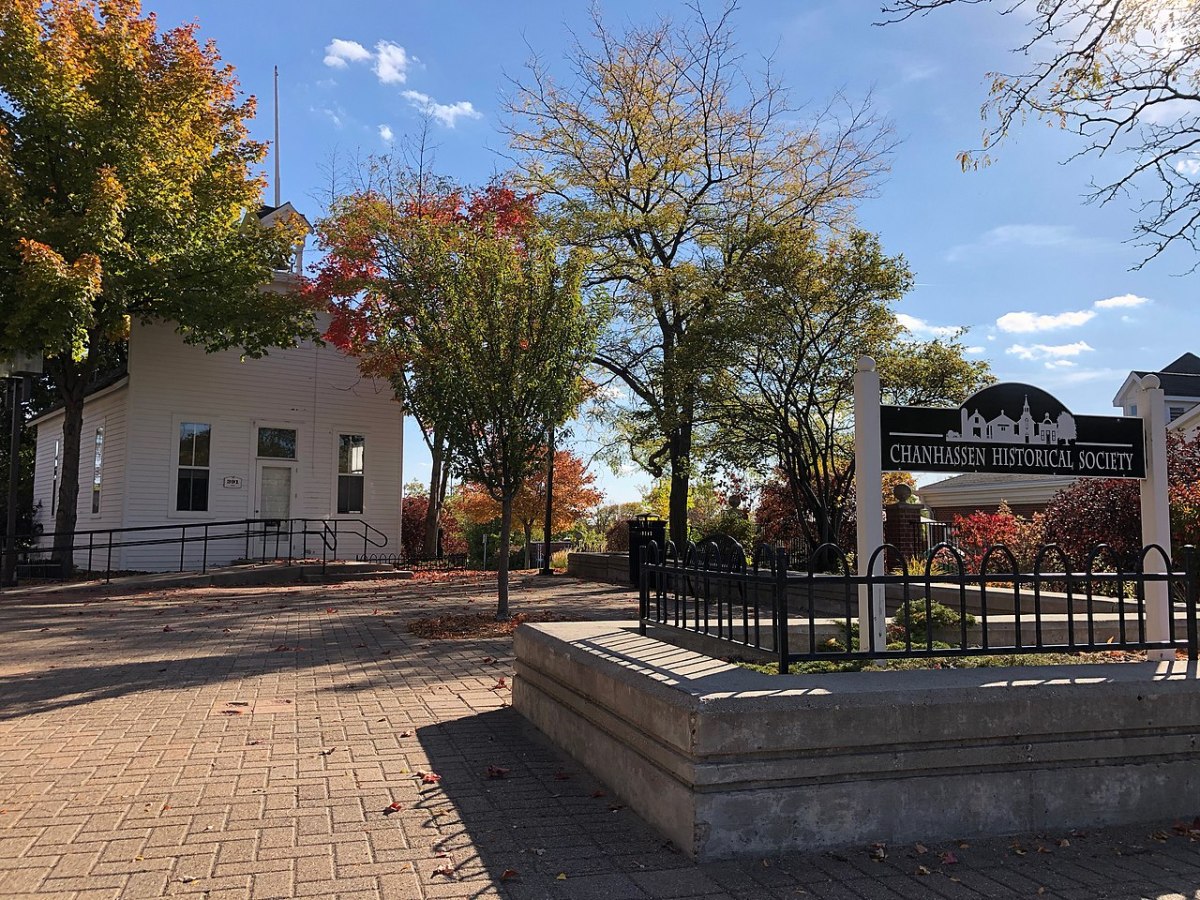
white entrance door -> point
(274, 491)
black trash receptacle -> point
(642, 530)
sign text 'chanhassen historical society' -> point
(1011, 428)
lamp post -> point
(17, 370)
(546, 570)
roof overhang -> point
(50, 414)
(1037, 490)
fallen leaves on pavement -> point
(462, 625)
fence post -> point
(1156, 515)
(1193, 597)
(868, 489)
(780, 608)
(204, 558)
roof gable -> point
(1188, 364)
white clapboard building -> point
(188, 438)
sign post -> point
(868, 488)
(1156, 512)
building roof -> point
(1179, 378)
(988, 489)
(989, 478)
(117, 378)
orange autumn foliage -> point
(575, 495)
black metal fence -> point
(765, 605)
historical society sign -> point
(1013, 428)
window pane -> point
(192, 490)
(350, 454)
(194, 443)
(277, 443)
(98, 470)
(350, 494)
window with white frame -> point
(54, 479)
(277, 443)
(351, 474)
(97, 471)
(192, 471)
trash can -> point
(642, 530)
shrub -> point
(616, 539)
(981, 530)
(918, 619)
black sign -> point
(1011, 428)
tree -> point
(371, 278)
(126, 192)
(666, 158)
(1123, 75)
(818, 306)
(501, 343)
(575, 496)
(1108, 511)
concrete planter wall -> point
(727, 762)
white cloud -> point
(1059, 237)
(391, 63)
(1060, 364)
(1049, 351)
(336, 115)
(386, 134)
(921, 328)
(339, 52)
(974, 350)
(1189, 167)
(1028, 322)
(446, 113)
(1124, 301)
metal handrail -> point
(328, 531)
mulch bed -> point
(478, 625)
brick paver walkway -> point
(246, 742)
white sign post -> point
(1156, 512)
(868, 489)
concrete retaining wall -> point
(726, 762)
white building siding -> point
(315, 391)
(108, 412)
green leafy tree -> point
(666, 158)
(374, 278)
(125, 191)
(816, 306)
(501, 345)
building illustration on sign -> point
(982, 435)
(1026, 430)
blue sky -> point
(1042, 280)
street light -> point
(17, 370)
(546, 568)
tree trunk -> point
(71, 385)
(680, 447)
(506, 512)
(436, 489)
(528, 527)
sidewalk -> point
(245, 742)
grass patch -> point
(822, 667)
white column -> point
(868, 492)
(1156, 511)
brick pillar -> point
(903, 530)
